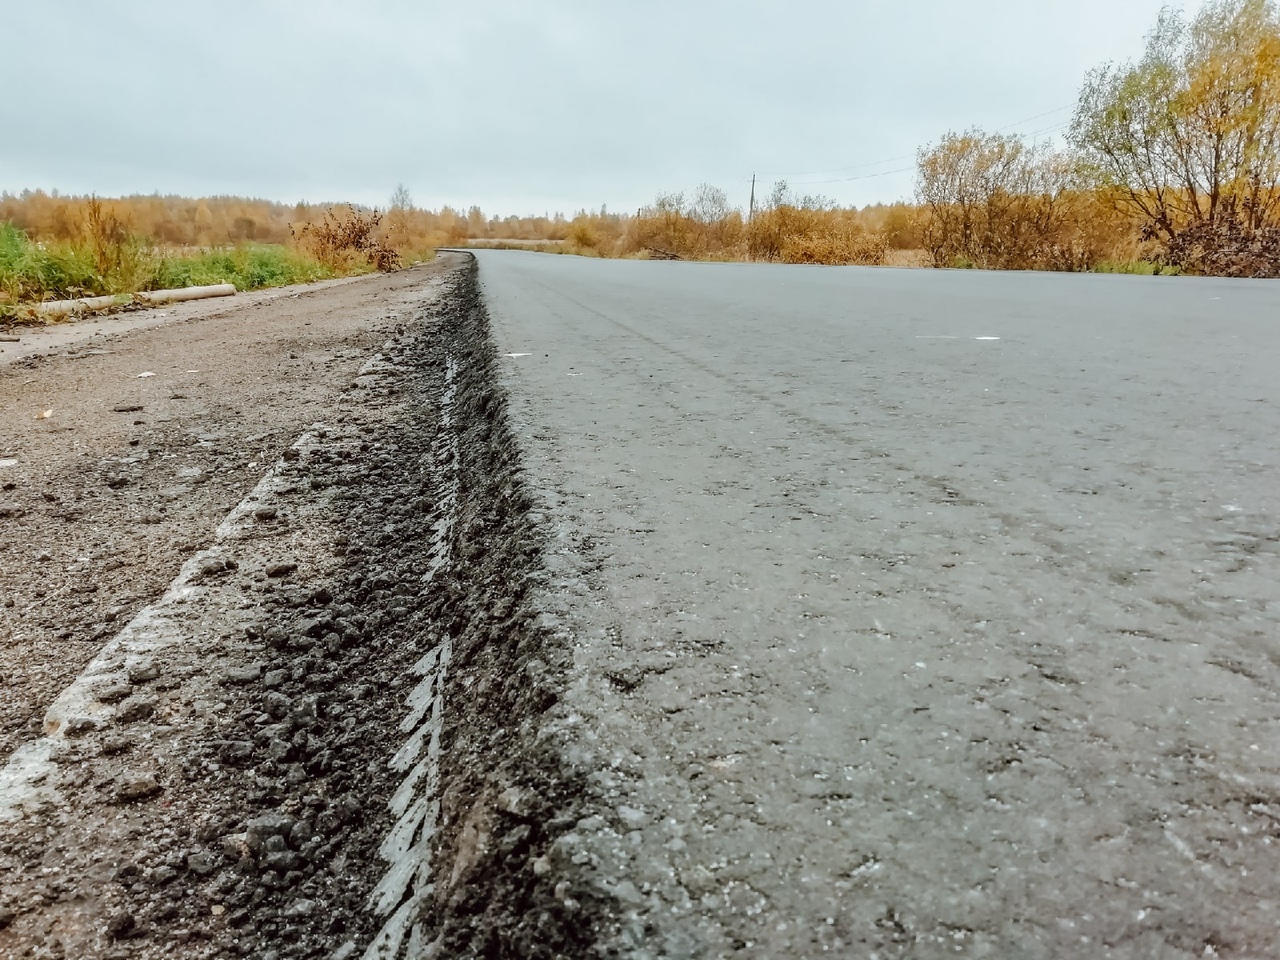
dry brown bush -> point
(340, 240)
(836, 247)
(994, 201)
(1226, 247)
(809, 229)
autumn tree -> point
(1188, 138)
(399, 211)
(992, 200)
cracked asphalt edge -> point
(232, 773)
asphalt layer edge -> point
(501, 887)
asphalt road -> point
(916, 614)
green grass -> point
(31, 272)
(248, 267)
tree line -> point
(1172, 164)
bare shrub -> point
(834, 247)
(1225, 247)
(339, 241)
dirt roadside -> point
(179, 745)
(124, 442)
(310, 722)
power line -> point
(910, 156)
(856, 166)
(1047, 113)
(865, 176)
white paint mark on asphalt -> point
(868, 866)
(145, 374)
(26, 783)
(1180, 845)
(986, 338)
(8, 462)
(517, 354)
(405, 886)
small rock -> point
(79, 726)
(7, 917)
(114, 693)
(211, 568)
(300, 908)
(260, 829)
(127, 408)
(143, 672)
(632, 817)
(237, 751)
(136, 786)
(161, 875)
(281, 568)
(265, 514)
(275, 678)
(243, 675)
(281, 861)
(121, 925)
(115, 745)
(513, 801)
(300, 833)
(201, 864)
(235, 846)
(135, 708)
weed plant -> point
(31, 272)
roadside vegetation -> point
(1172, 165)
(70, 247)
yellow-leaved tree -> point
(1188, 138)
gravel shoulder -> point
(324, 736)
(181, 555)
(124, 443)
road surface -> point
(930, 613)
(564, 608)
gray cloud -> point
(524, 107)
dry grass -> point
(908, 258)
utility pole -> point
(751, 218)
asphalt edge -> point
(502, 886)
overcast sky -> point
(529, 106)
